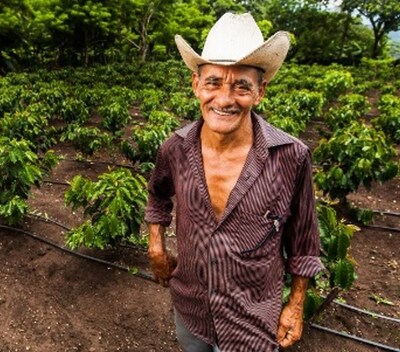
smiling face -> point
(227, 94)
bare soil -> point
(51, 301)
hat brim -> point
(269, 56)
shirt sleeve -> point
(301, 233)
(161, 189)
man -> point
(244, 202)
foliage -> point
(115, 114)
(115, 205)
(335, 83)
(335, 245)
(184, 106)
(389, 117)
(86, 139)
(31, 124)
(351, 108)
(355, 155)
(21, 169)
(339, 266)
(74, 110)
(384, 16)
(291, 111)
(150, 137)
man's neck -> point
(219, 142)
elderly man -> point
(245, 209)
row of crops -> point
(129, 110)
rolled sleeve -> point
(161, 189)
(301, 234)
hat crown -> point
(232, 38)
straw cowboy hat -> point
(237, 40)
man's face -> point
(227, 94)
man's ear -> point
(261, 92)
(195, 83)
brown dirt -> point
(52, 301)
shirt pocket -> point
(255, 235)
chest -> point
(221, 175)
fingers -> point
(289, 339)
(162, 266)
(288, 335)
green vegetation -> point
(115, 205)
(111, 85)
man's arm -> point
(162, 263)
(291, 319)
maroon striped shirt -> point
(229, 279)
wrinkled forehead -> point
(231, 73)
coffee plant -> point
(86, 139)
(352, 107)
(355, 155)
(335, 83)
(389, 118)
(149, 137)
(339, 266)
(21, 168)
(31, 124)
(115, 207)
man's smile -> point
(225, 112)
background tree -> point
(384, 16)
(14, 17)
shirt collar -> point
(266, 136)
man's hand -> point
(291, 319)
(162, 265)
(290, 325)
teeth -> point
(224, 113)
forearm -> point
(291, 319)
(156, 239)
(298, 291)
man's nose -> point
(225, 95)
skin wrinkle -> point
(227, 95)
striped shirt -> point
(227, 286)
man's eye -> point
(242, 89)
(211, 84)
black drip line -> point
(134, 271)
(143, 275)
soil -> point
(53, 301)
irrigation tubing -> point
(359, 310)
(94, 162)
(379, 227)
(55, 182)
(385, 212)
(136, 272)
(354, 337)
(148, 277)
(333, 300)
(65, 227)
(49, 220)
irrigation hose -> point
(385, 212)
(328, 300)
(49, 220)
(148, 277)
(354, 337)
(134, 271)
(363, 311)
(386, 228)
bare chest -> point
(222, 174)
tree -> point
(14, 15)
(384, 16)
(343, 39)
